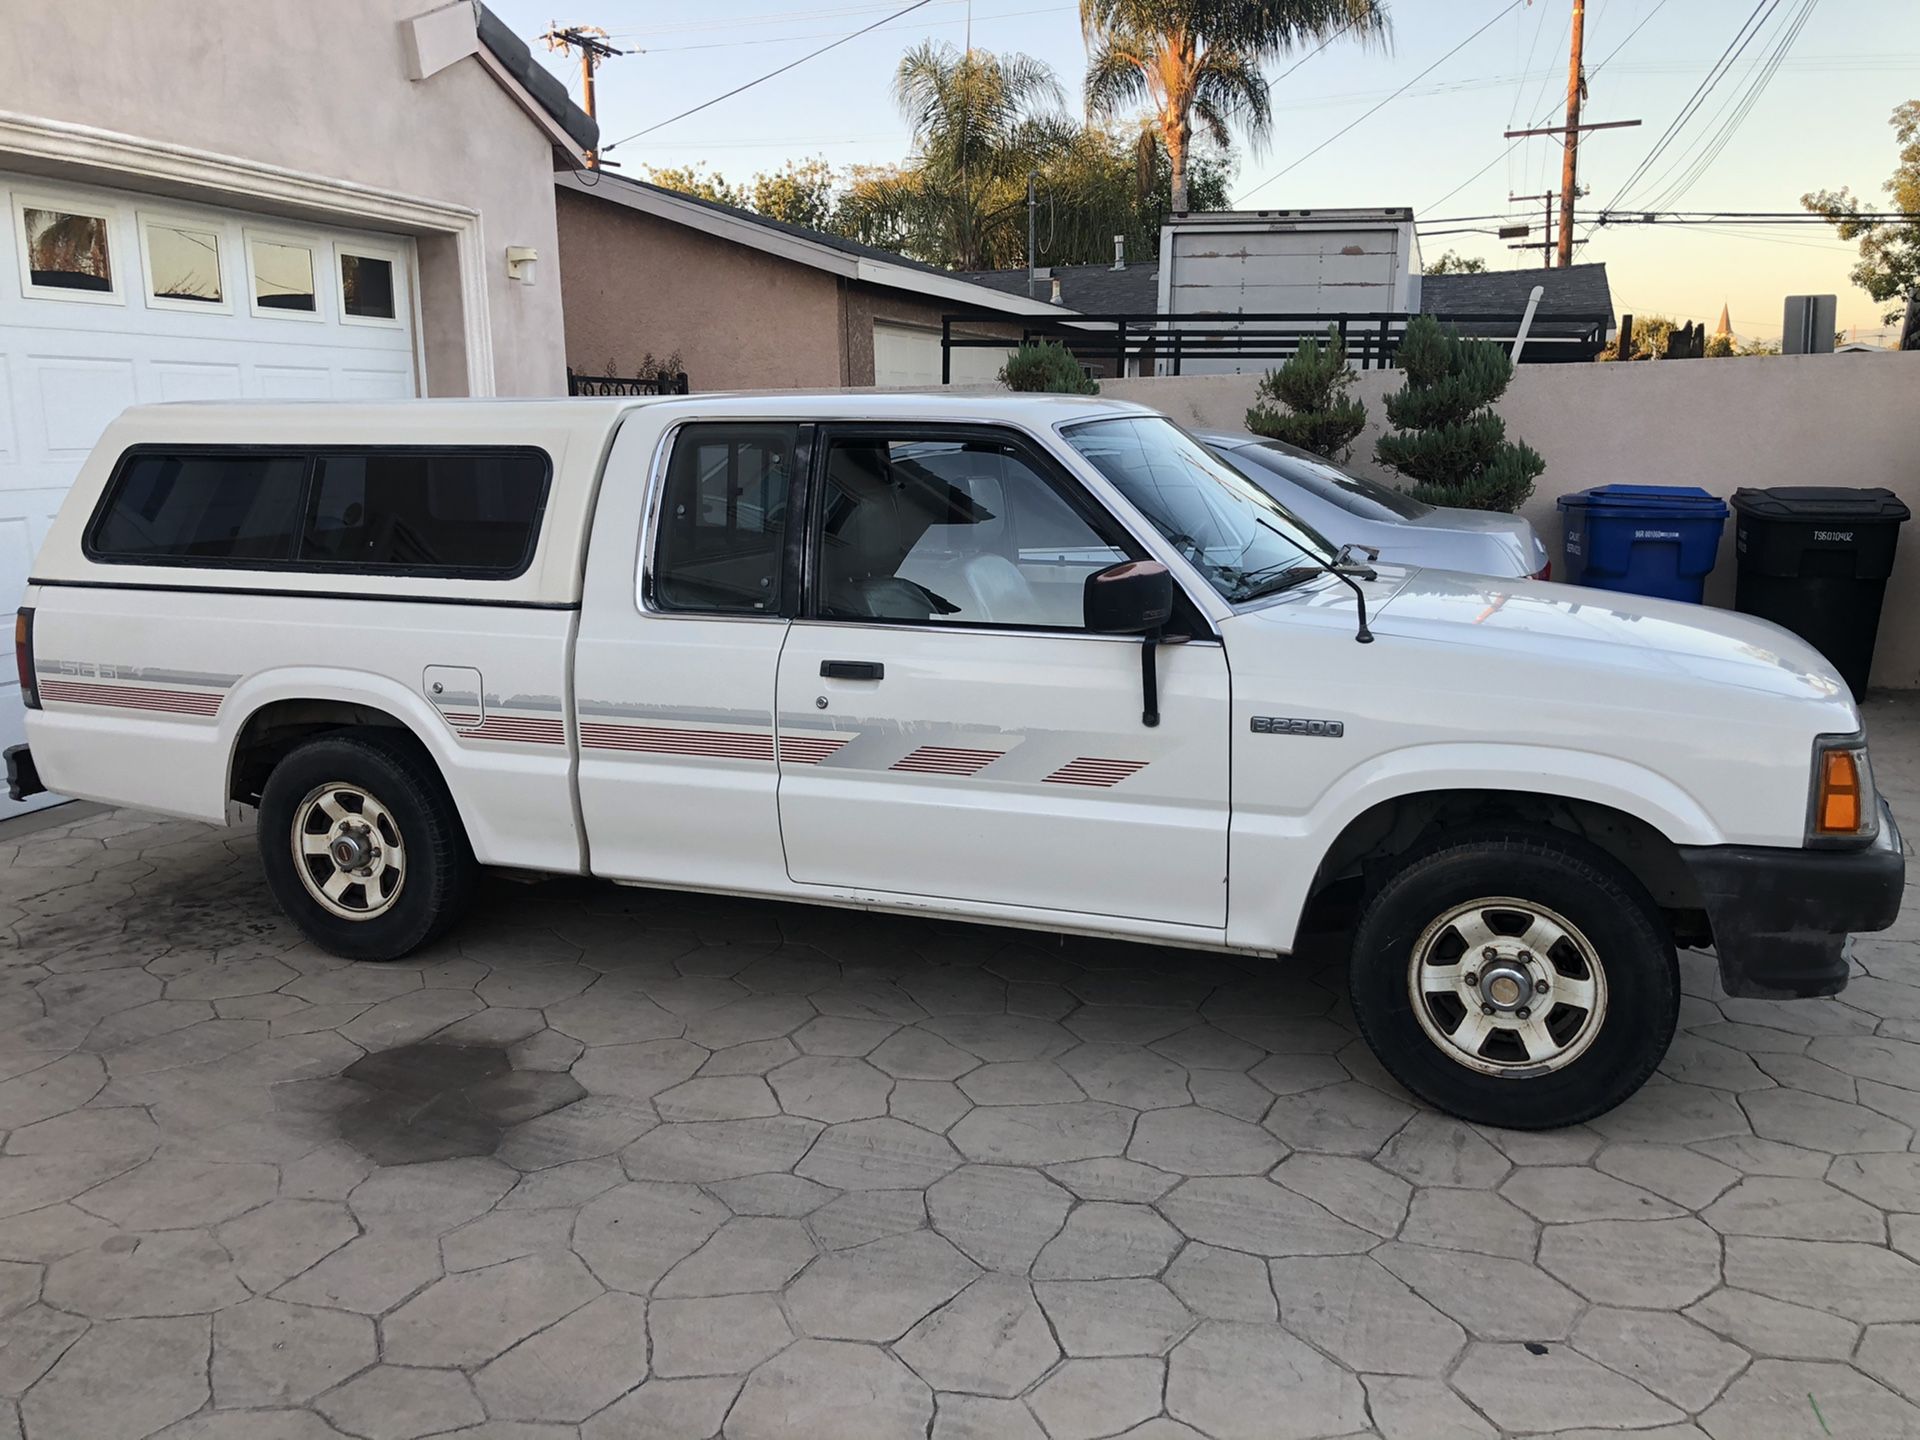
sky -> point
(1822, 122)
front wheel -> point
(362, 846)
(1517, 978)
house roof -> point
(514, 56)
(1090, 289)
(1102, 290)
(815, 248)
(1575, 290)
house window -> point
(183, 264)
(66, 251)
(367, 287)
(282, 277)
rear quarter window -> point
(391, 510)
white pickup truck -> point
(1029, 661)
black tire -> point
(1578, 883)
(438, 878)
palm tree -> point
(980, 122)
(1201, 60)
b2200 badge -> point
(1288, 725)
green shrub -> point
(1447, 438)
(1317, 413)
(1046, 366)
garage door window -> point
(183, 264)
(66, 252)
(282, 278)
(367, 289)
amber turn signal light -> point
(1837, 803)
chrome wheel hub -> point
(1506, 987)
(348, 852)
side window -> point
(409, 510)
(955, 532)
(216, 509)
(399, 511)
(720, 547)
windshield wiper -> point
(1256, 584)
(1340, 568)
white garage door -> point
(110, 299)
(909, 358)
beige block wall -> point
(320, 88)
(1719, 424)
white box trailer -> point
(1284, 262)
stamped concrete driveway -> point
(616, 1164)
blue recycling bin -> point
(1658, 540)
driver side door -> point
(947, 725)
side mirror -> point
(1134, 597)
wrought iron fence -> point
(1165, 344)
(659, 384)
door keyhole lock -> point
(438, 688)
(820, 702)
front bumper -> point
(1781, 917)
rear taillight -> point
(23, 657)
(1545, 572)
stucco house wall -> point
(739, 318)
(311, 90)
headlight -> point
(1843, 808)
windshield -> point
(1355, 494)
(1235, 534)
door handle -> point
(852, 669)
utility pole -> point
(1033, 270)
(1545, 243)
(1569, 135)
(1570, 162)
(591, 41)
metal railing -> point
(1165, 344)
(579, 384)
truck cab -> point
(1036, 661)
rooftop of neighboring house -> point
(1103, 290)
(816, 248)
(514, 56)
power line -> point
(821, 34)
(1367, 115)
(1546, 114)
(1740, 107)
(771, 74)
(1715, 74)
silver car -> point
(1350, 510)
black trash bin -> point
(1815, 558)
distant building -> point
(1570, 324)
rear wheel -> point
(1516, 978)
(362, 846)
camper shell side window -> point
(472, 512)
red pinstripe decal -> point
(946, 760)
(661, 740)
(1094, 771)
(132, 697)
(523, 729)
